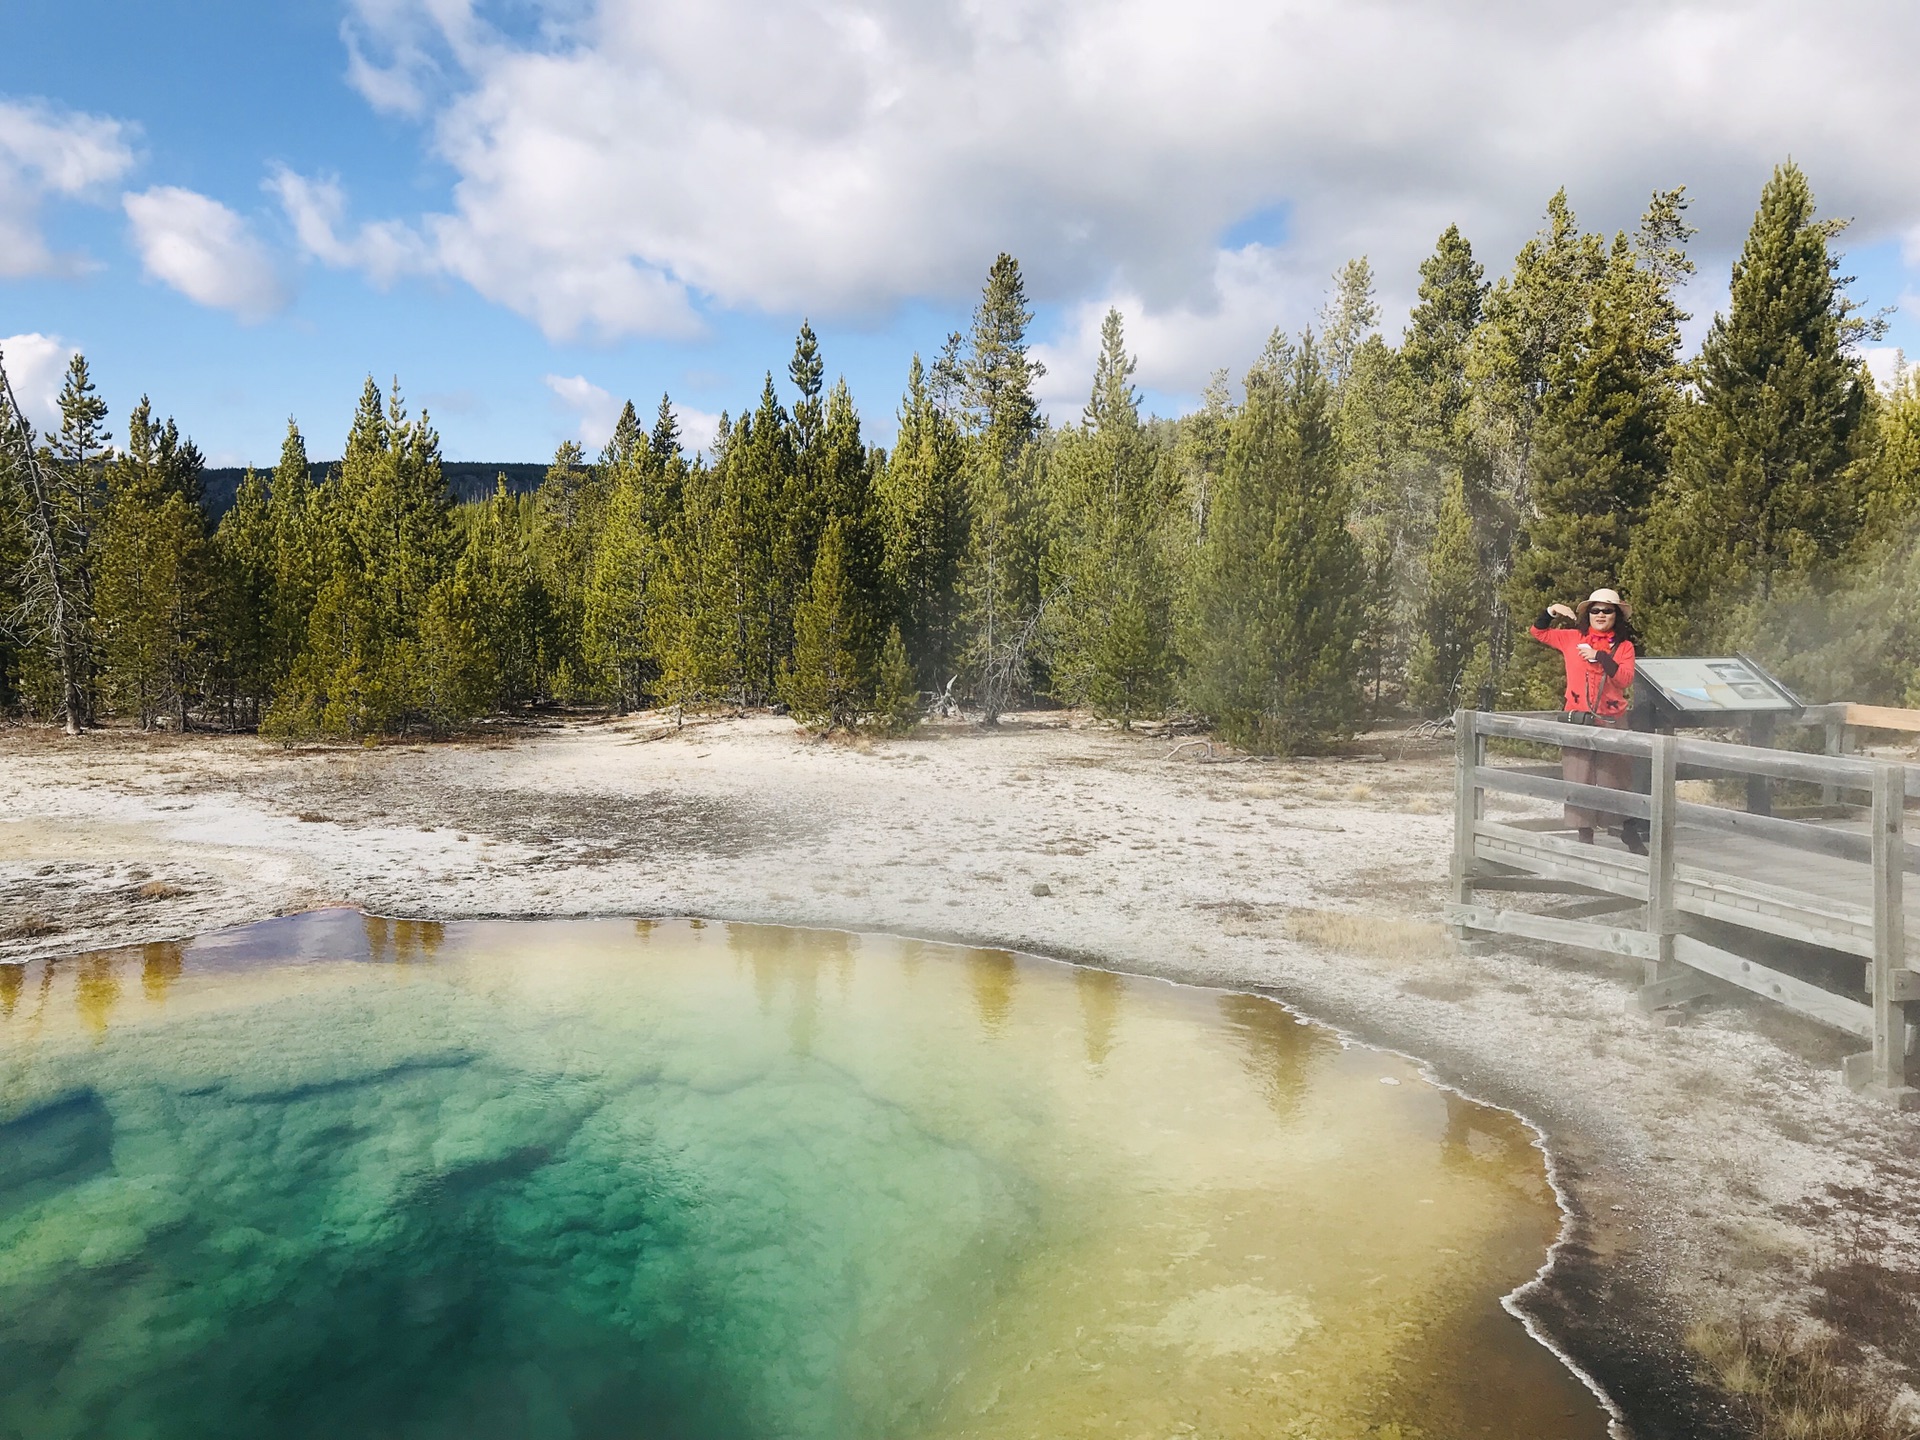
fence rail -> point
(1845, 895)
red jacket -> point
(1599, 685)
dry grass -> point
(160, 890)
(312, 817)
(1793, 1387)
(1377, 937)
(31, 925)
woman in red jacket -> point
(1598, 652)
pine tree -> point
(827, 685)
(244, 561)
(1110, 633)
(51, 507)
(1765, 487)
(664, 442)
(921, 500)
(846, 476)
(896, 701)
(1436, 375)
(1452, 298)
(150, 573)
(63, 523)
(762, 545)
(722, 643)
(301, 547)
(807, 372)
(629, 601)
(1533, 318)
(385, 520)
(1277, 608)
(1450, 662)
(627, 440)
(1000, 576)
(1387, 479)
(567, 518)
(1601, 449)
(513, 611)
(695, 650)
(1200, 452)
(1893, 488)
(1350, 317)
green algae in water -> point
(336, 1176)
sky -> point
(527, 211)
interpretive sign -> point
(1715, 685)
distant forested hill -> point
(466, 480)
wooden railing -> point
(1822, 907)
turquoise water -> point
(337, 1176)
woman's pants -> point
(1596, 767)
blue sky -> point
(523, 209)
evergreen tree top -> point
(999, 373)
(665, 440)
(83, 438)
(1452, 293)
(806, 370)
(1114, 403)
(293, 474)
(1350, 316)
(626, 440)
(1786, 305)
(368, 435)
(1534, 315)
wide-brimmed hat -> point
(1602, 597)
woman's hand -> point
(1587, 652)
(1565, 612)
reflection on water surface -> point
(338, 1175)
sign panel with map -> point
(1715, 686)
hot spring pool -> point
(346, 1177)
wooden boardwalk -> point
(1811, 913)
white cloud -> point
(698, 428)
(633, 157)
(36, 364)
(1179, 345)
(383, 250)
(595, 409)
(405, 34)
(205, 251)
(46, 152)
(1886, 363)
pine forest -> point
(1356, 530)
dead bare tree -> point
(1003, 668)
(48, 608)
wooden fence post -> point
(1836, 744)
(1469, 752)
(1892, 983)
(1660, 795)
(1668, 983)
(1759, 789)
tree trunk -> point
(47, 579)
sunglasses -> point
(1603, 609)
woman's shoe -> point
(1631, 839)
(1585, 832)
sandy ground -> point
(1712, 1167)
